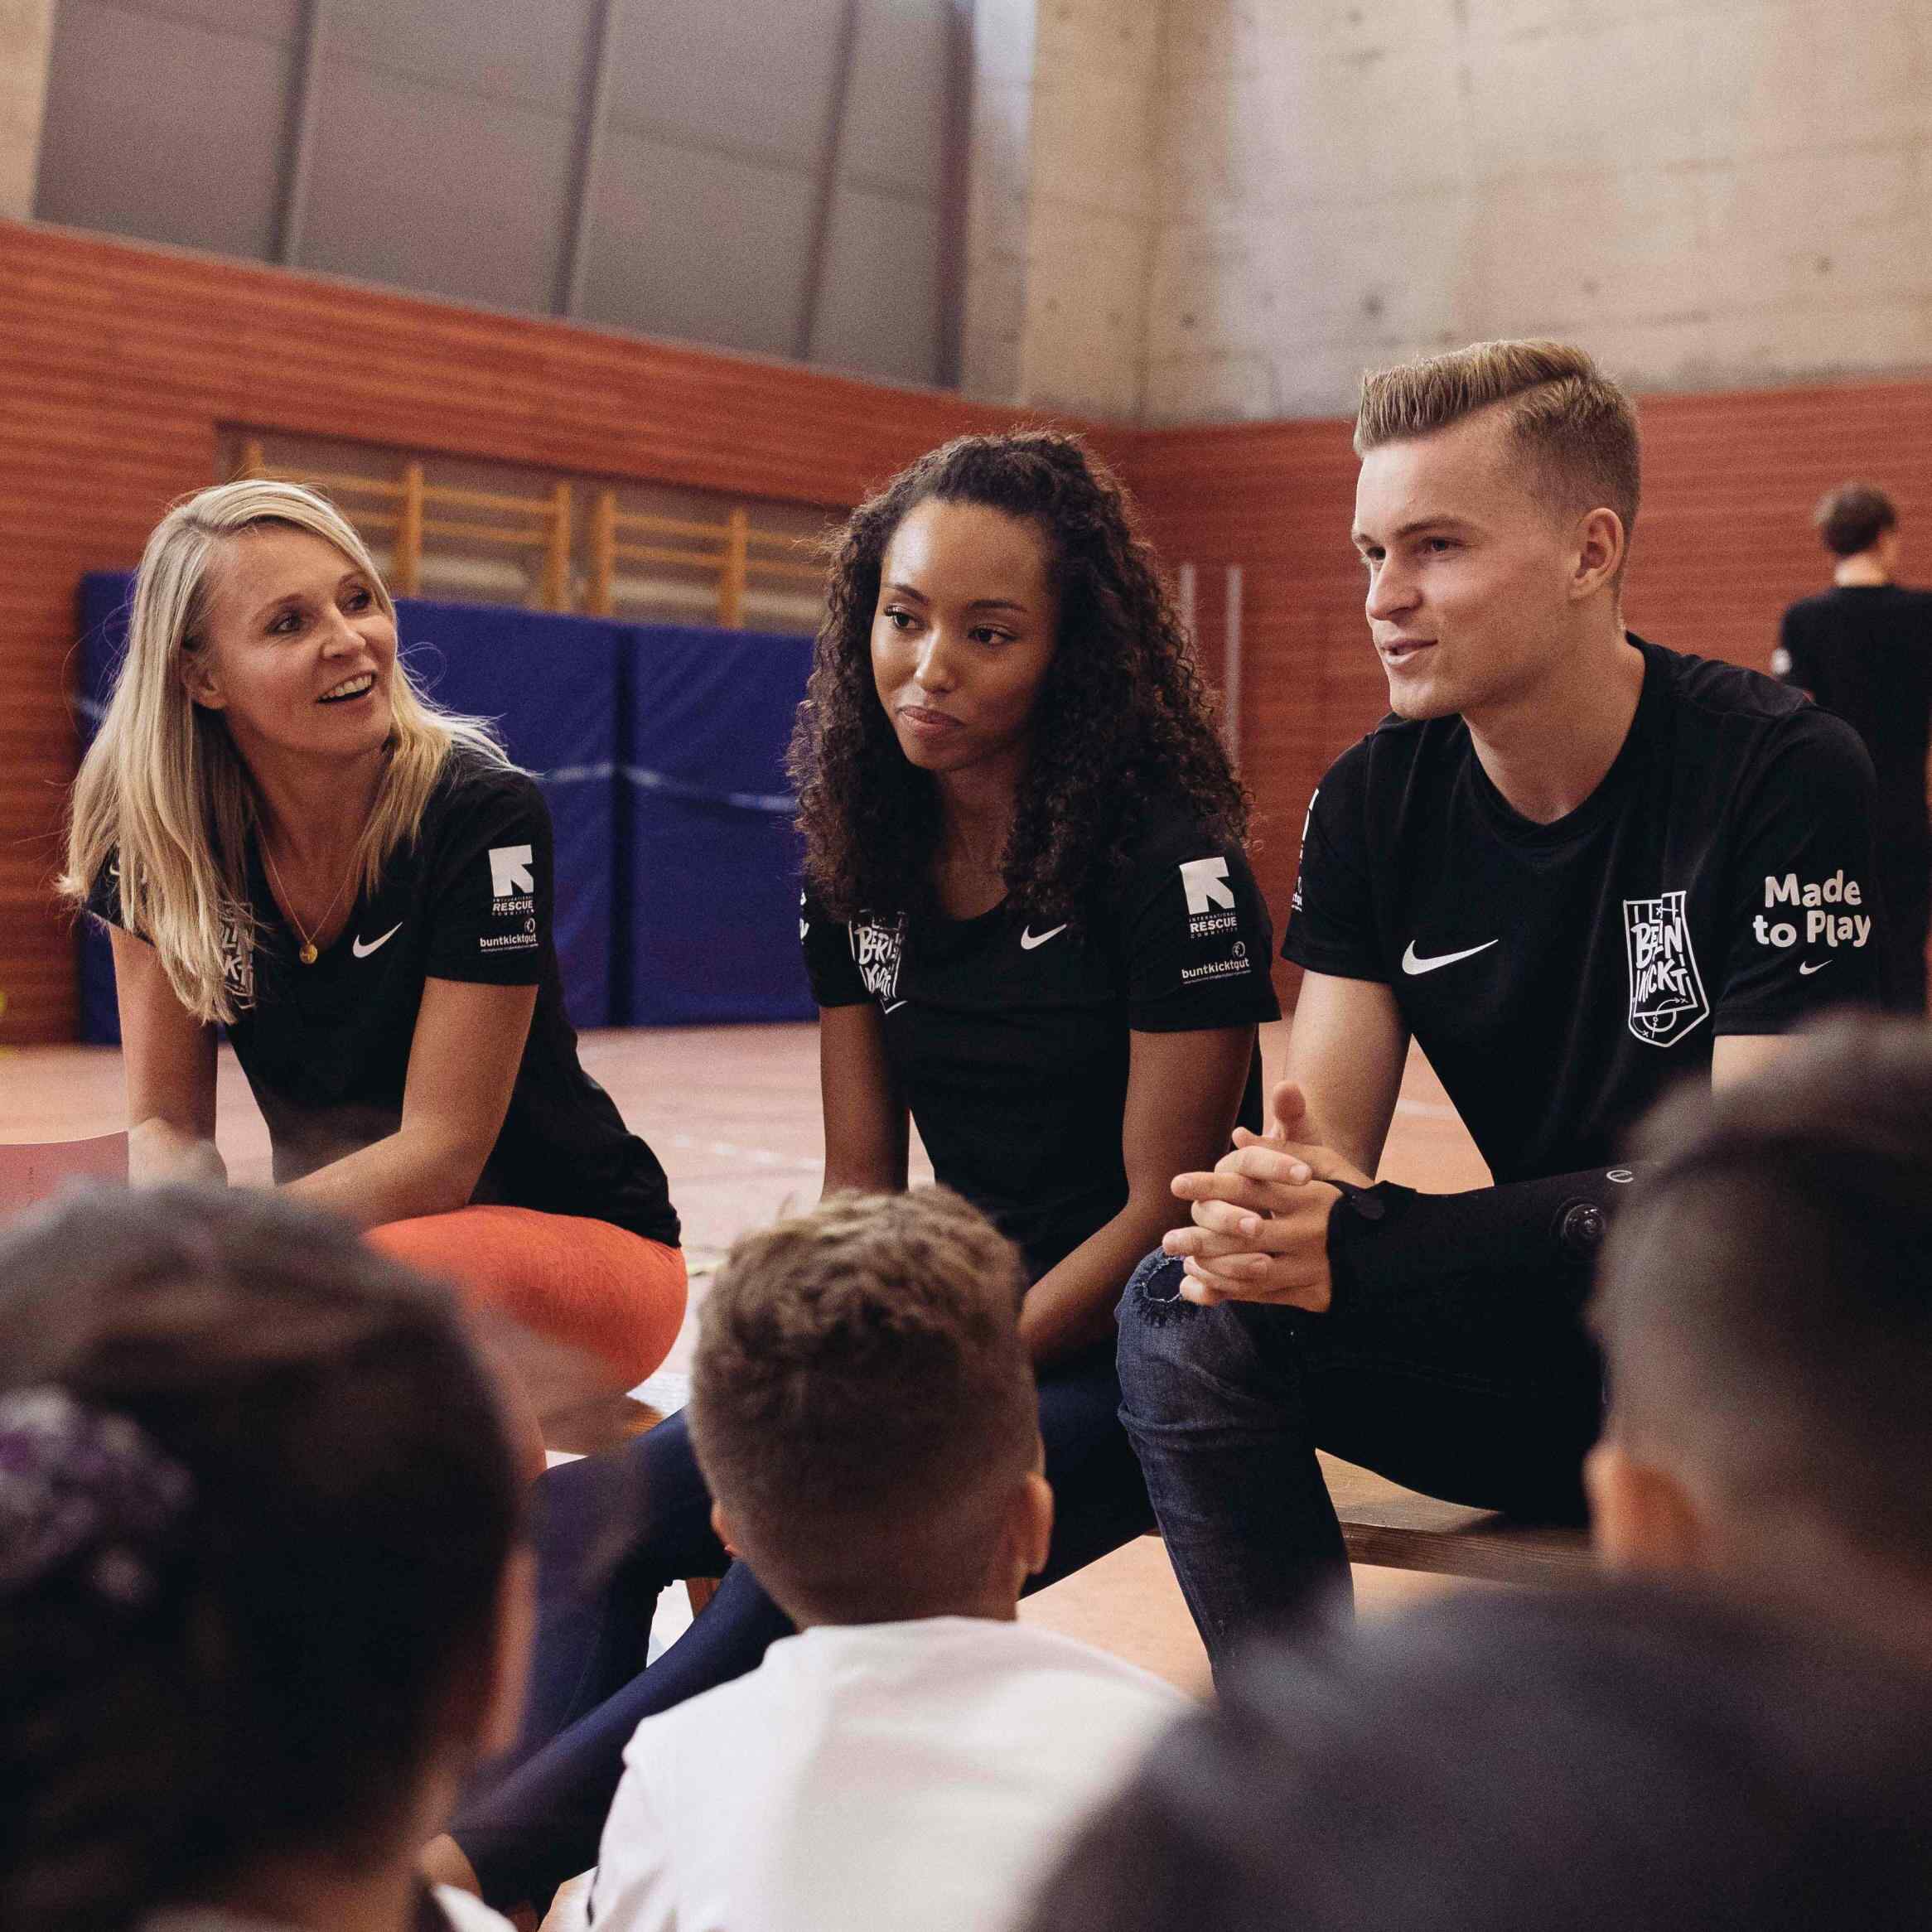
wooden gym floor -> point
(733, 1114)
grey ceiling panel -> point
(744, 78)
(261, 20)
(700, 246)
(895, 114)
(509, 50)
(445, 148)
(878, 306)
(435, 190)
(163, 129)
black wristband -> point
(1458, 1263)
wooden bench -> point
(1385, 1524)
(1394, 1528)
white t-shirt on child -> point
(870, 1777)
(465, 1913)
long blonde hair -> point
(163, 789)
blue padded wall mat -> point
(712, 858)
(550, 683)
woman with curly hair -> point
(1032, 929)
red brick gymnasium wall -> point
(119, 364)
(1723, 543)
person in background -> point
(864, 1413)
(264, 1599)
(1863, 649)
(1621, 1760)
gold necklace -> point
(307, 954)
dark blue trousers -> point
(1227, 1405)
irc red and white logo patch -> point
(1667, 991)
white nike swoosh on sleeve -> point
(1412, 963)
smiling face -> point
(965, 627)
(1473, 575)
(296, 651)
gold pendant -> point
(307, 954)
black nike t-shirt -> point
(326, 1047)
(1560, 977)
(1865, 652)
(1009, 1038)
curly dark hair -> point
(1122, 717)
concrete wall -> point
(993, 322)
(1705, 192)
(1063, 210)
(1708, 193)
(26, 38)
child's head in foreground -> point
(1614, 1760)
(865, 1413)
(1765, 1310)
(259, 1607)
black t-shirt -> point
(326, 1047)
(1865, 651)
(1008, 1038)
(1559, 977)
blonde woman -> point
(286, 839)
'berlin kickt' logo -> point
(877, 949)
(1666, 992)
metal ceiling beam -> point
(298, 145)
(827, 186)
(593, 114)
(955, 192)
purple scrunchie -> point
(78, 1482)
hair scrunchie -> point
(83, 1487)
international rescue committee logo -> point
(513, 893)
(876, 949)
(1667, 991)
(1210, 915)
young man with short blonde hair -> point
(1575, 867)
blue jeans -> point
(535, 1819)
(1226, 1407)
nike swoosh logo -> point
(894, 1007)
(1412, 963)
(1029, 939)
(1811, 966)
(363, 948)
